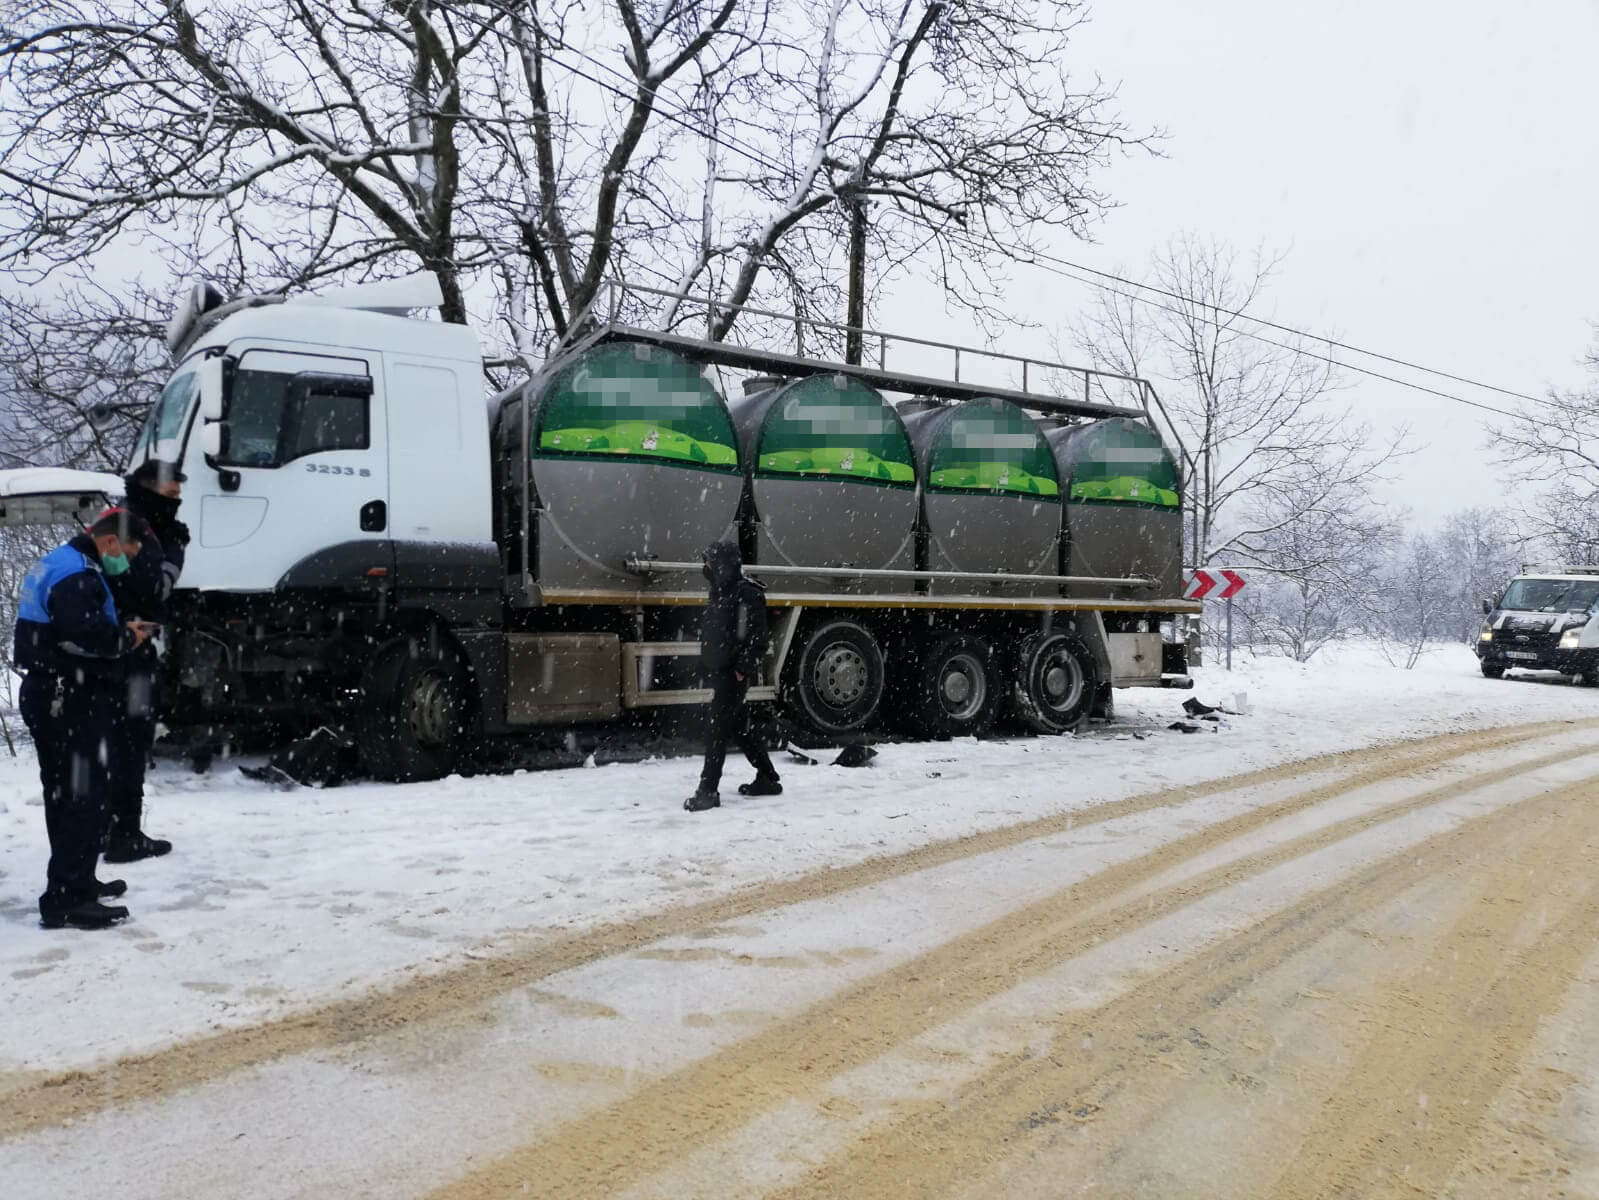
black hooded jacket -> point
(162, 514)
(733, 633)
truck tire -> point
(411, 723)
(1052, 682)
(1493, 672)
(951, 687)
(834, 683)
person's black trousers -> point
(130, 756)
(75, 751)
(727, 718)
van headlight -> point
(1570, 638)
(1487, 634)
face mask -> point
(114, 564)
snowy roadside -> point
(278, 901)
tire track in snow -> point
(673, 1116)
(31, 1103)
(1372, 1137)
(1457, 1027)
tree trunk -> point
(855, 316)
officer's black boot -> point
(702, 800)
(763, 785)
(87, 914)
(126, 848)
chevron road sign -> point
(1204, 582)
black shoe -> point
(137, 846)
(110, 889)
(761, 787)
(91, 914)
(702, 800)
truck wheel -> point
(1053, 679)
(413, 711)
(1492, 672)
(835, 682)
(952, 688)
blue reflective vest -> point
(33, 601)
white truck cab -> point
(313, 430)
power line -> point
(1054, 265)
(1347, 366)
(1312, 337)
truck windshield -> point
(1551, 595)
(162, 434)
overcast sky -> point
(1432, 169)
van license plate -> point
(1521, 654)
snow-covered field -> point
(277, 901)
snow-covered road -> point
(760, 995)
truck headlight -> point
(1570, 638)
(1487, 634)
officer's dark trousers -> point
(74, 749)
(729, 718)
(130, 754)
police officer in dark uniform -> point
(154, 492)
(733, 641)
(72, 646)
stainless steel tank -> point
(832, 483)
(631, 451)
(990, 495)
(1124, 513)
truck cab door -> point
(299, 472)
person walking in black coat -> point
(154, 491)
(72, 646)
(733, 641)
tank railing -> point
(641, 564)
(619, 290)
(1148, 394)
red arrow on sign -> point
(1235, 584)
(1199, 586)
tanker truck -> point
(382, 545)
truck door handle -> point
(374, 516)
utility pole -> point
(855, 316)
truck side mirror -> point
(1487, 607)
(211, 439)
(212, 383)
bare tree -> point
(950, 134)
(1270, 449)
(1562, 525)
(77, 376)
(1481, 548)
(1557, 440)
(1555, 443)
(1328, 552)
(524, 150)
(286, 139)
(1419, 600)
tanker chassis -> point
(379, 545)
